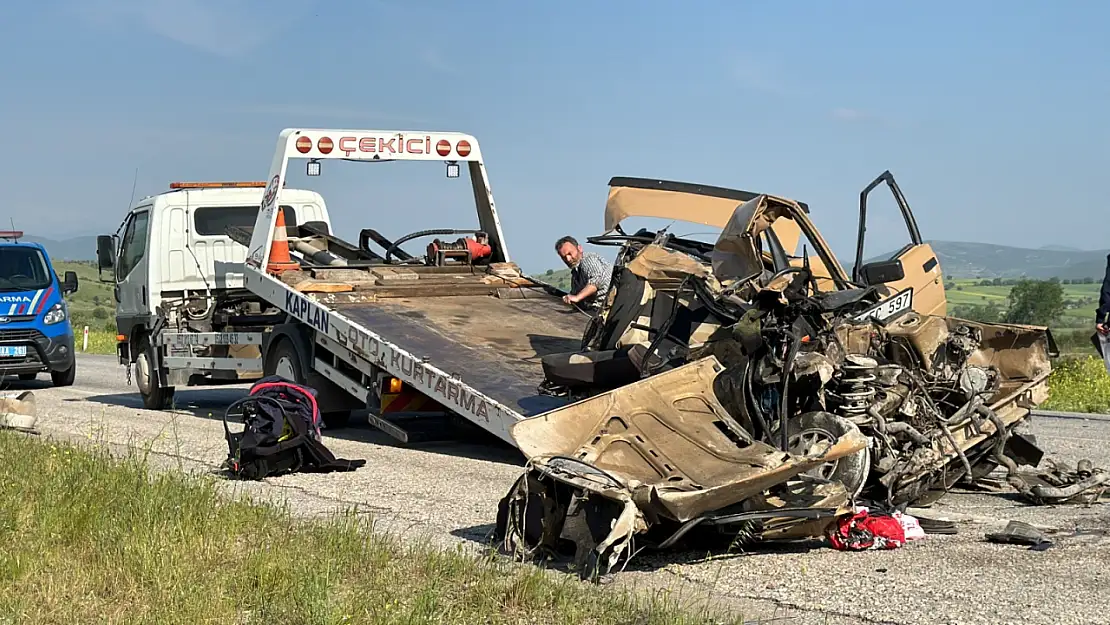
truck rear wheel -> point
(282, 359)
(155, 396)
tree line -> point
(1015, 281)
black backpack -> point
(281, 433)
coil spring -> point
(856, 389)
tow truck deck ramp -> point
(492, 345)
(468, 335)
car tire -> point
(63, 378)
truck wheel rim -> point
(144, 374)
(285, 368)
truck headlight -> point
(55, 314)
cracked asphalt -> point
(447, 493)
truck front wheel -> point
(155, 396)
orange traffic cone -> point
(279, 248)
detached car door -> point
(911, 276)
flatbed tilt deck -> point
(455, 332)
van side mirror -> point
(882, 272)
(69, 283)
(105, 251)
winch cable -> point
(424, 233)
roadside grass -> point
(89, 537)
(1079, 384)
(100, 342)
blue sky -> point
(992, 115)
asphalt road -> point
(448, 493)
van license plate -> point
(13, 351)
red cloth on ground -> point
(863, 531)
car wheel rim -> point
(807, 441)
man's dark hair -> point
(567, 239)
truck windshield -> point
(22, 269)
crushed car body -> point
(659, 457)
(719, 377)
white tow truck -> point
(182, 313)
(455, 331)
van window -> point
(23, 269)
(211, 221)
(133, 247)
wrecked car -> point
(740, 382)
(660, 457)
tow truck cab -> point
(182, 314)
(35, 331)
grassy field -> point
(91, 538)
(1082, 298)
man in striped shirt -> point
(589, 274)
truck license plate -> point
(13, 351)
(890, 307)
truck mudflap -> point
(655, 459)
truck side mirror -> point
(69, 283)
(882, 272)
(105, 251)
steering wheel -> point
(784, 272)
(423, 233)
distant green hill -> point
(94, 303)
(984, 260)
(77, 248)
(556, 277)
